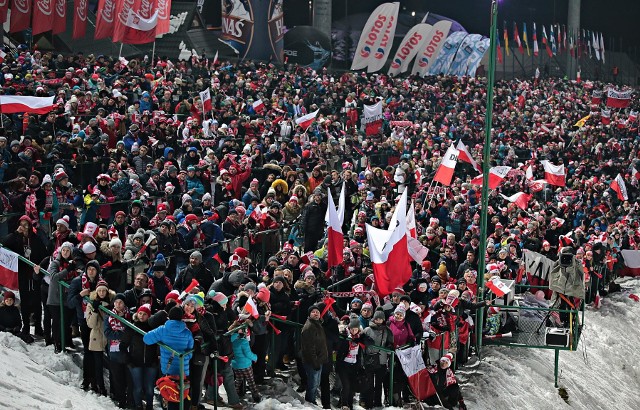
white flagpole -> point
(153, 53)
(120, 53)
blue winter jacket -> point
(174, 334)
(242, 354)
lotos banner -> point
(430, 47)
(376, 38)
(409, 47)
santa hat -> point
(241, 252)
(63, 221)
(293, 198)
(447, 359)
(60, 175)
(46, 180)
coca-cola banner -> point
(42, 16)
(4, 6)
(80, 18)
(141, 23)
(105, 18)
(59, 17)
(123, 8)
(254, 28)
(20, 15)
(164, 16)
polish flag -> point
(2, 56)
(416, 371)
(496, 176)
(305, 121)
(633, 116)
(444, 174)
(10, 104)
(605, 117)
(8, 269)
(529, 173)
(388, 251)
(498, 287)
(554, 174)
(619, 186)
(465, 156)
(215, 58)
(335, 237)
(205, 96)
(258, 106)
(141, 22)
(417, 251)
(635, 172)
(618, 99)
(521, 199)
(251, 309)
(631, 262)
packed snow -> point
(602, 374)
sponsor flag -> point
(164, 17)
(447, 166)
(520, 199)
(80, 19)
(596, 97)
(582, 121)
(2, 56)
(524, 37)
(306, 120)
(105, 19)
(505, 35)
(498, 287)
(465, 156)
(553, 174)
(8, 269)
(619, 186)
(618, 99)
(141, 23)
(602, 47)
(383, 45)
(205, 97)
(417, 374)
(516, 37)
(409, 47)
(496, 176)
(605, 117)
(430, 47)
(10, 104)
(258, 106)
(498, 48)
(42, 16)
(535, 40)
(20, 15)
(545, 41)
(372, 35)
(631, 262)
(372, 118)
(335, 237)
(59, 17)
(389, 252)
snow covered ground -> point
(603, 374)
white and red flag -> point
(554, 174)
(335, 237)
(10, 104)
(633, 116)
(42, 16)
(497, 286)
(465, 156)
(258, 106)
(388, 250)
(496, 176)
(618, 99)
(141, 23)
(416, 371)
(417, 251)
(620, 187)
(20, 15)
(631, 262)
(2, 56)
(305, 121)
(444, 174)
(605, 117)
(205, 97)
(8, 269)
(520, 199)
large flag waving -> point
(618, 99)
(8, 269)
(417, 373)
(141, 22)
(388, 250)
(496, 176)
(520, 199)
(305, 121)
(205, 97)
(620, 187)
(554, 174)
(464, 155)
(447, 166)
(335, 237)
(10, 104)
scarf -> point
(191, 322)
(48, 199)
(30, 208)
(152, 286)
(115, 324)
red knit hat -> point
(146, 308)
(263, 295)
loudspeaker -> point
(556, 336)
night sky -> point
(616, 19)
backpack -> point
(169, 386)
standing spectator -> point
(243, 358)
(313, 350)
(102, 296)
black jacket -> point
(199, 273)
(10, 320)
(137, 352)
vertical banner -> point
(42, 16)
(409, 48)
(383, 47)
(372, 120)
(479, 51)
(372, 35)
(430, 47)
(459, 64)
(141, 23)
(122, 10)
(164, 17)
(105, 19)
(4, 7)
(276, 29)
(20, 15)
(59, 17)
(80, 19)
(448, 53)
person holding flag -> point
(448, 391)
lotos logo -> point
(44, 6)
(382, 48)
(395, 64)
(364, 53)
(61, 8)
(424, 61)
(22, 6)
(108, 10)
(81, 10)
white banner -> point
(383, 46)
(138, 22)
(372, 113)
(459, 64)
(430, 47)
(8, 260)
(619, 95)
(537, 264)
(479, 51)
(409, 47)
(372, 34)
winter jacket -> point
(402, 333)
(137, 352)
(280, 302)
(200, 273)
(74, 300)
(174, 334)
(61, 270)
(10, 320)
(242, 354)
(307, 296)
(95, 321)
(313, 344)
(380, 336)
(347, 346)
(114, 336)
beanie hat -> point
(241, 252)
(379, 314)
(88, 248)
(251, 286)
(442, 269)
(63, 221)
(176, 313)
(120, 296)
(447, 358)
(235, 278)
(94, 263)
(356, 300)
(218, 297)
(196, 255)
(173, 295)
(196, 299)
(400, 309)
(146, 308)
(263, 295)
(102, 284)
(354, 322)
(367, 305)
(9, 295)
(160, 263)
(310, 274)
(312, 308)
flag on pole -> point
(496, 176)
(8, 269)
(164, 17)
(417, 251)
(215, 58)
(10, 104)
(80, 19)
(516, 37)
(596, 45)
(465, 156)
(535, 40)
(20, 15)
(335, 237)
(59, 17)
(559, 38)
(582, 121)
(498, 287)
(417, 374)
(572, 50)
(498, 48)
(205, 96)
(505, 35)
(43, 14)
(105, 19)
(554, 174)
(552, 39)
(258, 106)
(602, 47)
(545, 41)
(605, 116)
(618, 99)
(520, 199)
(305, 121)
(2, 56)
(620, 188)
(447, 166)
(524, 37)
(564, 37)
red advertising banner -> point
(105, 19)
(42, 16)
(80, 19)
(20, 15)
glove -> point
(96, 305)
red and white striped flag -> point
(465, 156)
(605, 117)
(633, 116)
(554, 174)
(618, 99)
(205, 96)
(631, 262)
(496, 176)
(416, 371)
(8, 269)
(498, 287)
(620, 187)
(520, 199)
(2, 56)
(10, 104)
(258, 106)
(417, 251)
(335, 237)
(444, 174)
(305, 121)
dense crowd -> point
(128, 191)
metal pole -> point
(120, 52)
(181, 357)
(393, 365)
(486, 155)
(62, 335)
(215, 379)
(153, 53)
(555, 367)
